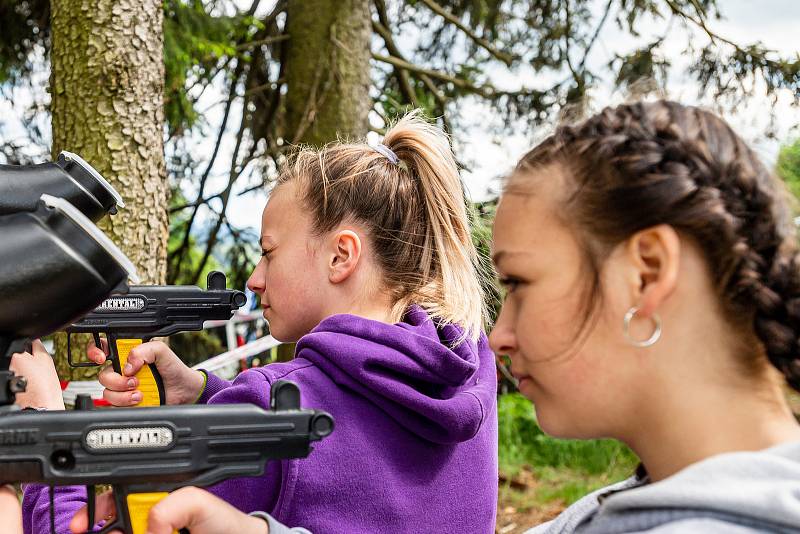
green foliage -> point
(553, 472)
(192, 259)
(522, 442)
(196, 347)
(198, 44)
(788, 166)
(482, 216)
(443, 51)
(23, 25)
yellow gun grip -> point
(139, 505)
(150, 383)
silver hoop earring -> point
(626, 327)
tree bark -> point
(107, 86)
(327, 70)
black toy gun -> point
(144, 453)
(69, 178)
(146, 312)
(55, 265)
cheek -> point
(295, 295)
(570, 367)
(548, 323)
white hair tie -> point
(385, 151)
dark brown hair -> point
(414, 210)
(644, 164)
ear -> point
(345, 254)
(655, 258)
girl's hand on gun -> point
(44, 389)
(182, 384)
(191, 508)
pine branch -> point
(382, 29)
(699, 22)
(486, 91)
(194, 204)
(506, 58)
(260, 42)
(606, 12)
(180, 253)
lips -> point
(520, 376)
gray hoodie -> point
(737, 493)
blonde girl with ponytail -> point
(368, 264)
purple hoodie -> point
(415, 444)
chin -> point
(282, 334)
(551, 428)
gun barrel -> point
(167, 446)
(151, 311)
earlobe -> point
(655, 253)
(345, 255)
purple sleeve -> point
(257, 494)
(214, 385)
(36, 508)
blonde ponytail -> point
(453, 292)
(416, 213)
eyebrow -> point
(500, 254)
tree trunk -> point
(107, 86)
(327, 70)
(327, 77)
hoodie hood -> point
(411, 370)
(760, 490)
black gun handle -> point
(150, 383)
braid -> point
(644, 164)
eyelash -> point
(509, 283)
(266, 253)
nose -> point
(503, 339)
(256, 282)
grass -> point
(541, 475)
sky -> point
(487, 158)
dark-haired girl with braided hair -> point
(653, 296)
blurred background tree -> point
(292, 71)
(107, 91)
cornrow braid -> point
(644, 164)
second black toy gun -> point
(146, 312)
(146, 453)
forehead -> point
(529, 217)
(284, 212)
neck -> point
(370, 305)
(706, 419)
